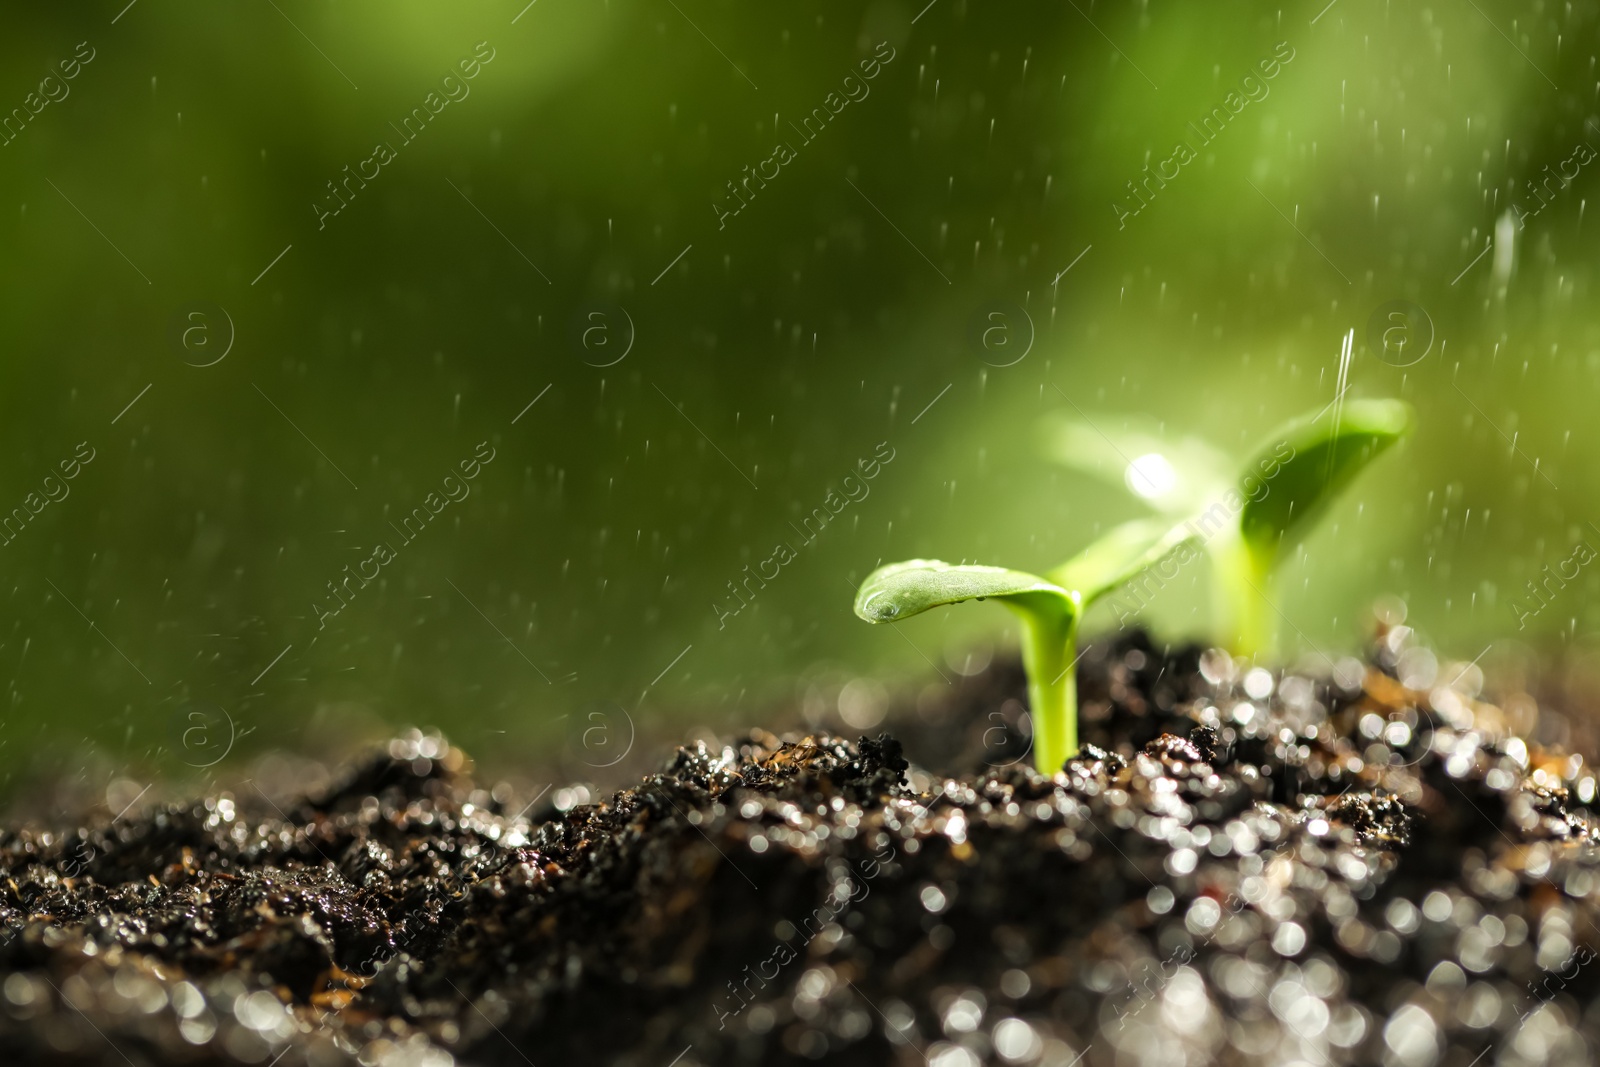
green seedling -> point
(1049, 608)
(1323, 458)
(1248, 522)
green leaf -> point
(901, 590)
(1305, 465)
(1120, 556)
(1172, 476)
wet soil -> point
(1241, 867)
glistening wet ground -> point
(1249, 869)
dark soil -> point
(1319, 876)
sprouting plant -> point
(1249, 521)
(1322, 458)
(1049, 607)
(1246, 525)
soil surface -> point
(1241, 868)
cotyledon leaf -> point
(1171, 475)
(1120, 556)
(901, 590)
(1323, 456)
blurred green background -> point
(752, 361)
